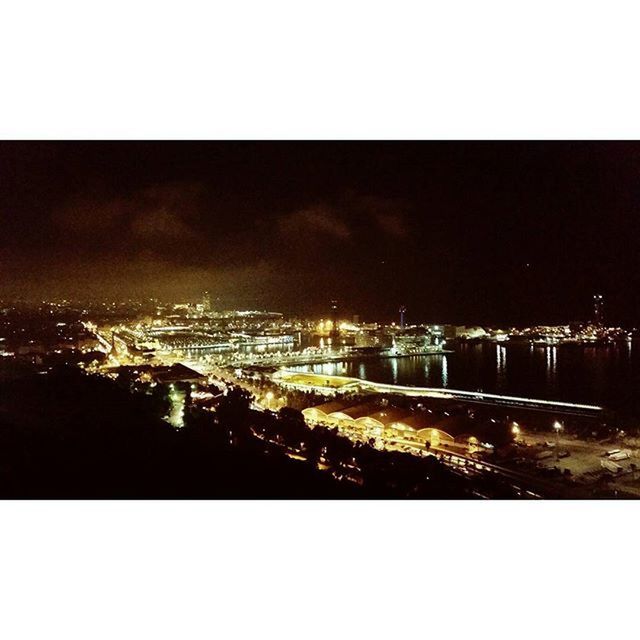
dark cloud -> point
(393, 224)
(86, 215)
(314, 221)
(161, 224)
(445, 228)
(158, 213)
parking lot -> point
(579, 459)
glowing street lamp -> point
(558, 427)
(515, 429)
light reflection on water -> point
(607, 375)
(501, 365)
(552, 362)
(394, 370)
(445, 372)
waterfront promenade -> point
(337, 384)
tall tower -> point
(334, 320)
(403, 310)
(598, 310)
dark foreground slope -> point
(68, 435)
(65, 434)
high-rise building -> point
(206, 302)
(598, 309)
(403, 310)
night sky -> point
(475, 233)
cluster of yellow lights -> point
(325, 325)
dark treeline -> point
(67, 434)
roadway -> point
(535, 487)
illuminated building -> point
(598, 309)
(206, 302)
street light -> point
(558, 427)
(515, 429)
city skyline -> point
(595, 315)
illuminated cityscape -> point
(325, 353)
(319, 320)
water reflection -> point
(552, 355)
(606, 375)
(501, 365)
